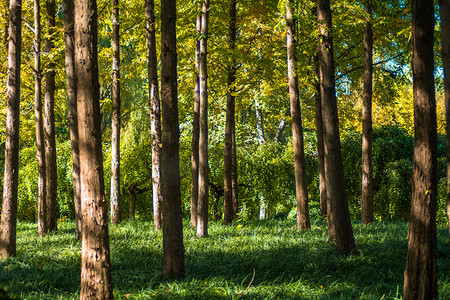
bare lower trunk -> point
(132, 207)
(69, 35)
(49, 124)
(115, 126)
(420, 274)
(367, 192)
(41, 203)
(96, 279)
(11, 180)
(173, 265)
(155, 112)
(301, 192)
(203, 192)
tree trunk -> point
(445, 41)
(195, 124)
(173, 248)
(49, 122)
(338, 213)
(320, 150)
(234, 174)
(11, 179)
(42, 207)
(69, 36)
(301, 192)
(203, 192)
(96, 279)
(228, 209)
(155, 111)
(115, 126)
(420, 275)
(366, 189)
(132, 208)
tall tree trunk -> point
(69, 36)
(420, 275)
(320, 150)
(49, 122)
(42, 207)
(338, 214)
(11, 179)
(203, 192)
(445, 42)
(263, 205)
(96, 279)
(155, 111)
(195, 124)
(173, 249)
(234, 174)
(366, 189)
(230, 120)
(115, 126)
(301, 192)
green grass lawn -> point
(253, 260)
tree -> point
(301, 192)
(173, 249)
(69, 36)
(49, 122)
(340, 227)
(195, 123)
(96, 279)
(203, 192)
(445, 42)
(115, 126)
(155, 111)
(420, 275)
(367, 192)
(229, 195)
(11, 180)
(41, 203)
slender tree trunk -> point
(320, 150)
(42, 208)
(96, 279)
(11, 179)
(195, 124)
(338, 213)
(49, 122)
(132, 208)
(263, 205)
(69, 36)
(203, 192)
(115, 126)
(420, 275)
(367, 192)
(173, 249)
(445, 42)
(155, 111)
(234, 174)
(230, 120)
(301, 192)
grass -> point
(254, 260)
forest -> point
(226, 149)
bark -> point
(132, 208)
(320, 150)
(366, 189)
(301, 192)
(173, 265)
(96, 279)
(49, 123)
(234, 175)
(115, 125)
(420, 275)
(195, 125)
(445, 51)
(280, 129)
(340, 230)
(155, 111)
(42, 207)
(11, 179)
(203, 192)
(230, 126)
(68, 19)
(259, 123)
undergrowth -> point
(252, 260)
